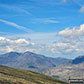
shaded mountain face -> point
(29, 60)
(78, 60)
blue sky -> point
(33, 13)
(41, 22)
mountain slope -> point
(29, 60)
(73, 68)
(20, 76)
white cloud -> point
(72, 41)
(73, 33)
(2, 38)
(22, 41)
(21, 45)
(16, 26)
(67, 49)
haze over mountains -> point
(29, 60)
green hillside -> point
(20, 76)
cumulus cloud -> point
(2, 38)
(74, 32)
(71, 41)
(70, 48)
(21, 45)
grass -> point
(21, 76)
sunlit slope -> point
(20, 76)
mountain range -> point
(60, 68)
(30, 61)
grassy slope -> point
(20, 76)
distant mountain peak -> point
(28, 52)
(78, 60)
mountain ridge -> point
(29, 60)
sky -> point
(54, 28)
